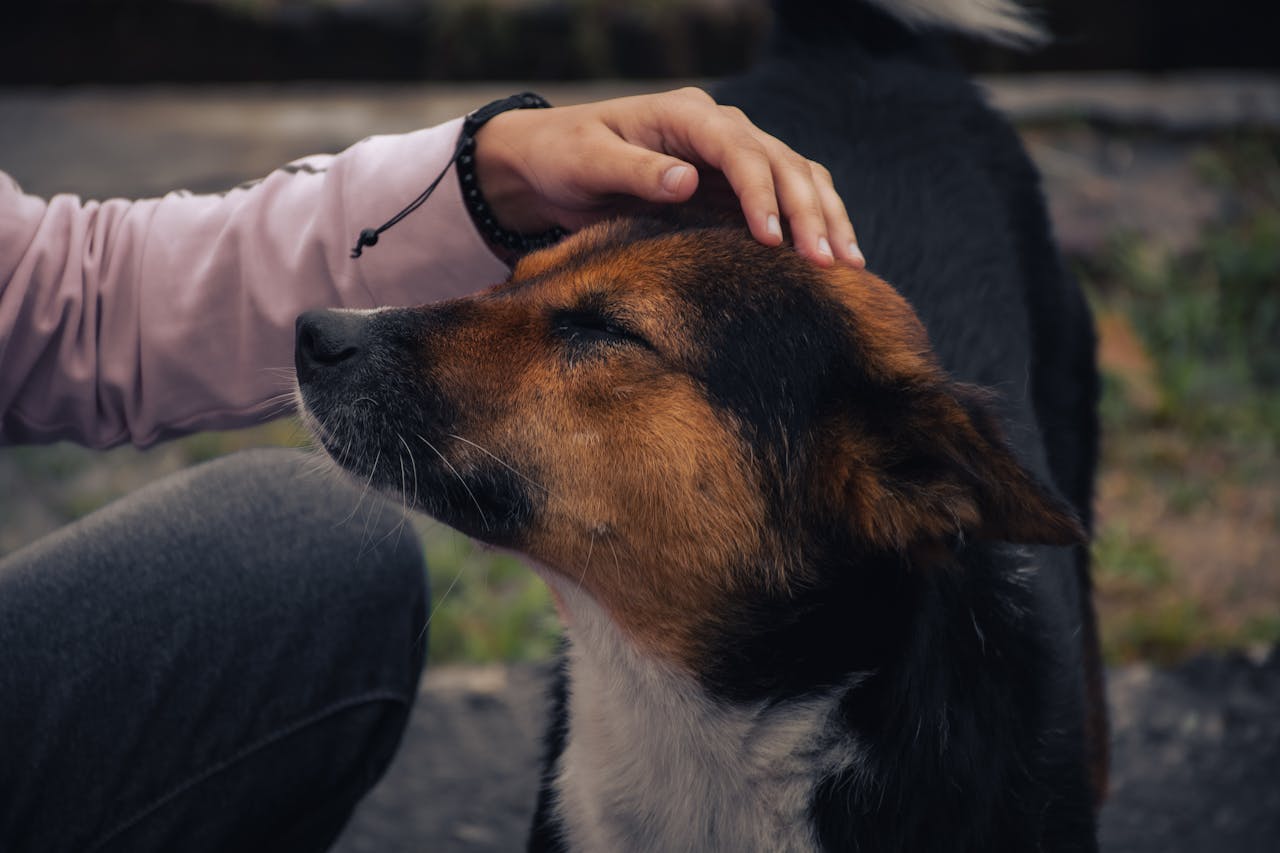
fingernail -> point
(672, 177)
(824, 248)
(856, 253)
(772, 227)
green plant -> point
(1261, 629)
(486, 606)
(1164, 633)
(1124, 562)
(1210, 317)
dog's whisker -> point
(271, 411)
(405, 505)
(371, 520)
(277, 399)
(398, 530)
(403, 492)
(523, 476)
(501, 462)
(460, 544)
(462, 568)
(590, 548)
(617, 564)
(483, 518)
(367, 483)
(414, 502)
(403, 485)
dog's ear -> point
(1015, 505)
(947, 471)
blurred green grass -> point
(1210, 317)
(486, 606)
(1191, 421)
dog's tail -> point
(1006, 22)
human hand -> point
(571, 166)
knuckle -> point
(693, 93)
(802, 192)
(799, 166)
(760, 185)
(759, 193)
(820, 172)
(839, 217)
(580, 132)
(748, 141)
(811, 215)
(748, 156)
(808, 210)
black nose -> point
(327, 339)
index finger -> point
(761, 170)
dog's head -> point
(672, 419)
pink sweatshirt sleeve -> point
(136, 321)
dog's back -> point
(950, 209)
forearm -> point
(134, 321)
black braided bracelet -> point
(464, 158)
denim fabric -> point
(223, 660)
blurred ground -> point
(1166, 197)
(1195, 756)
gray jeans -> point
(224, 660)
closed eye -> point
(589, 327)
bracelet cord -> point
(463, 158)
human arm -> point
(134, 321)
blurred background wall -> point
(126, 41)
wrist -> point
(517, 194)
(501, 177)
(514, 224)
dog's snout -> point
(327, 339)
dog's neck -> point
(654, 762)
(651, 757)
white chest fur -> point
(653, 765)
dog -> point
(817, 540)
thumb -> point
(633, 170)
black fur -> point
(963, 728)
(972, 706)
(546, 835)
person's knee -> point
(326, 540)
(254, 487)
(250, 594)
(286, 506)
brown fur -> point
(677, 470)
(651, 497)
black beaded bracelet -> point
(479, 209)
(464, 158)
